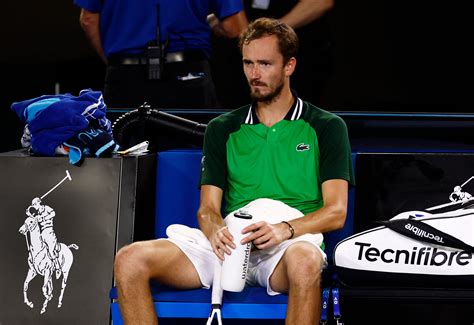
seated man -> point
(278, 149)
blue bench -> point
(177, 200)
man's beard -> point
(268, 98)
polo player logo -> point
(302, 147)
(458, 195)
(45, 255)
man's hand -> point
(265, 235)
(222, 241)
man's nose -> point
(255, 73)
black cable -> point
(162, 130)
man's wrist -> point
(290, 228)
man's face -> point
(264, 68)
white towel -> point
(193, 235)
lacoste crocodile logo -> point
(302, 147)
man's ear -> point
(290, 66)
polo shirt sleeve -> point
(214, 162)
(226, 8)
(89, 5)
(335, 152)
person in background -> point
(158, 51)
(310, 19)
(278, 154)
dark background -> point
(390, 184)
(389, 56)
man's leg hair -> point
(140, 262)
(299, 274)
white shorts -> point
(262, 263)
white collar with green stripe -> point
(293, 114)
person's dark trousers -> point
(186, 84)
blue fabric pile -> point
(74, 125)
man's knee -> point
(131, 261)
(160, 260)
(304, 263)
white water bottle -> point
(235, 266)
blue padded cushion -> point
(177, 189)
(249, 295)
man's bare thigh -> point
(170, 266)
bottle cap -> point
(242, 214)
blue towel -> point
(90, 142)
(53, 119)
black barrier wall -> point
(91, 210)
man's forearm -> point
(229, 27)
(209, 221)
(323, 220)
(90, 24)
(306, 11)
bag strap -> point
(327, 293)
(423, 232)
(324, 307)
(335, 306)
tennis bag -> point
(413, 249)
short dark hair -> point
(287, 39)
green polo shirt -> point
(287, 161)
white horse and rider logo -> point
(45, 255)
